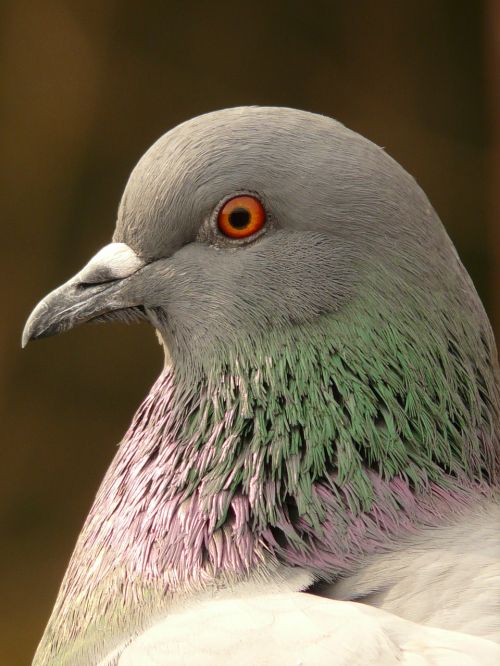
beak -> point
(99, 288)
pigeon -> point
(313, 478)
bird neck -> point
(315, 449)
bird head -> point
(242, 223)
(256, 237)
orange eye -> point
(241, 217)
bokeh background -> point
(87, 85)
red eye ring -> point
(241, 216)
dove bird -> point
(313, 478)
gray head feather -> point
(338, 206)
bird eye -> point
(241, 217)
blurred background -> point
(87, 86)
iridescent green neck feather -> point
(312, 447)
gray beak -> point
(99, 288)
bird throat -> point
(314, 449)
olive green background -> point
(86, 87)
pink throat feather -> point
(153, 516)
(160, 527)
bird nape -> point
(328, 410)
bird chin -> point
(130, 315)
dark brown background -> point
(87, 86)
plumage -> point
(327, 418)
(301, 630)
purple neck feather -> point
(159, 523)
(156, 513)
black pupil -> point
(239, 218)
